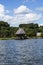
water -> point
(21, 52)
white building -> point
(38, 34)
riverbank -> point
(18, 38)
(7, 38)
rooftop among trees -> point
(31, 29)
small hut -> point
(20, 33)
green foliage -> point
(42, 34)
(6, 30)
(41, 28)
(31, 29)
(4, 24)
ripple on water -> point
(21, 52)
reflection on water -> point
(21, 52)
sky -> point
(17, 12)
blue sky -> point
(17, 12)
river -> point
(21, 52)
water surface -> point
(21, 52)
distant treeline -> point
(31, 29)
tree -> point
(31, 29)
(4, 24)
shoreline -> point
(6, 38)
(14, 38)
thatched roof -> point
(20, 31)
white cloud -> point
(39, 9)
(22, 15)
(25, 18)
(3, 15)
(7, 18)
(33, 16)
(28, 17)
(22, 9)
(2, 10)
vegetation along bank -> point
(8, 32)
